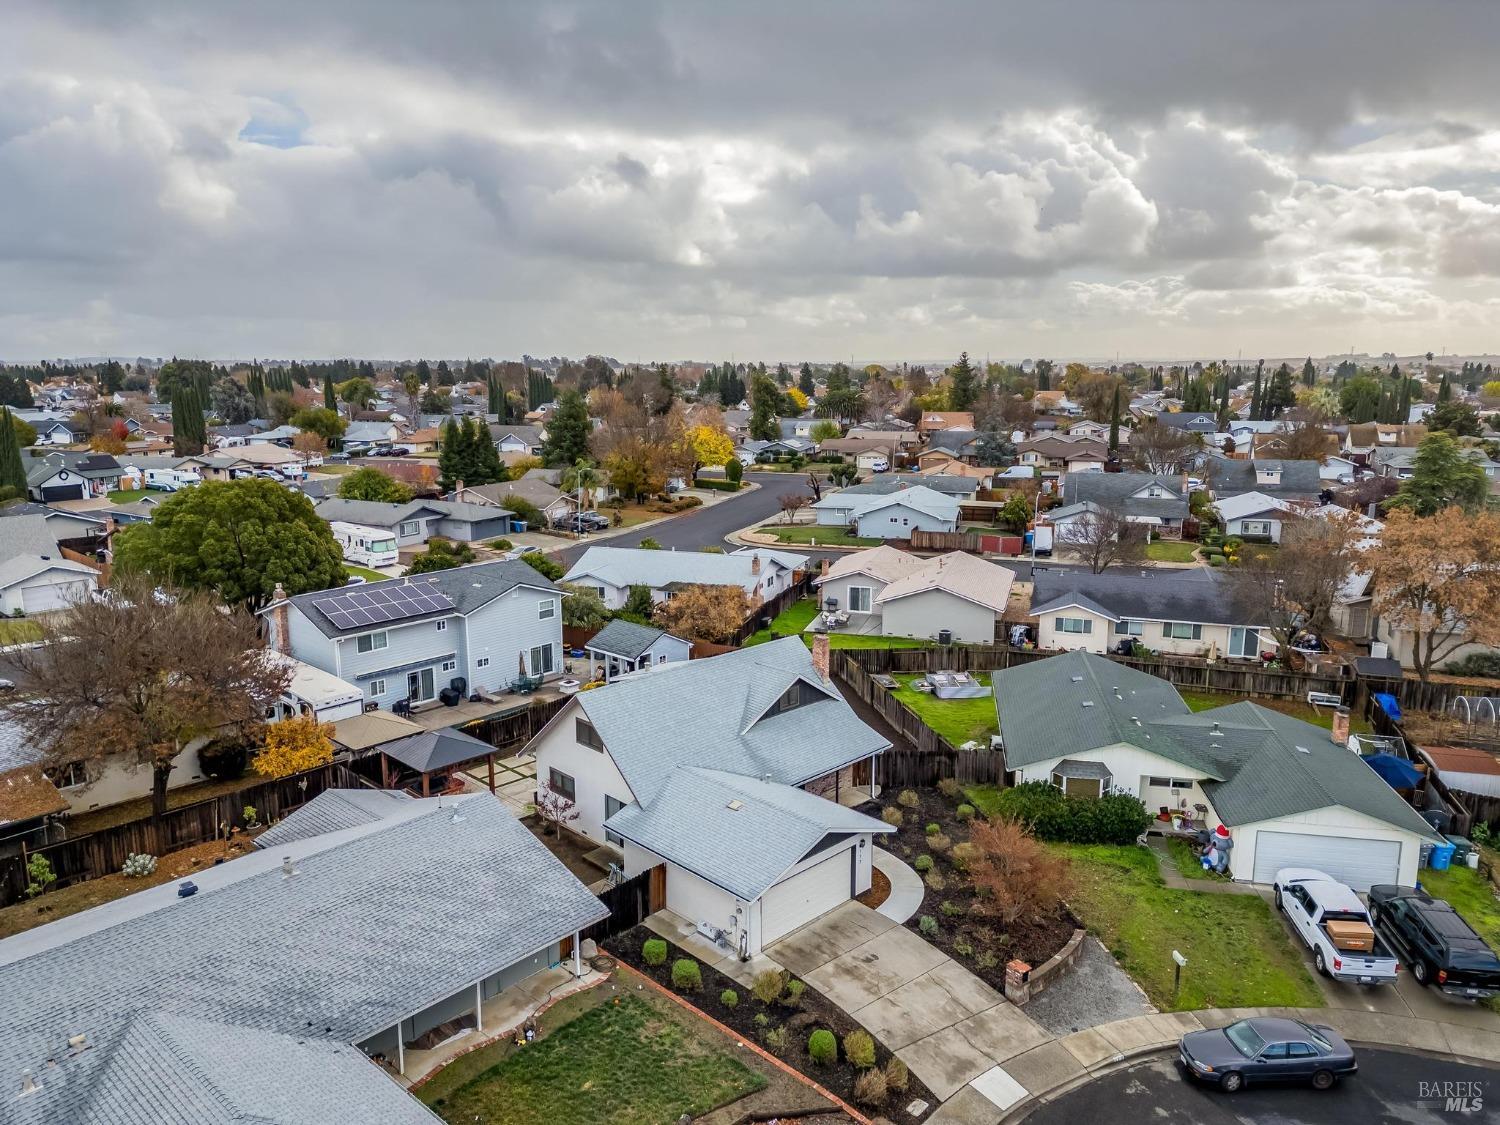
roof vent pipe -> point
(287, 870)
(29, 1085)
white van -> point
(366, 546)
(170, 480)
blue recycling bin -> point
(1442, 856)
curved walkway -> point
(906, 894)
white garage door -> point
(1358, 863)
(807, 895)
(44, 599)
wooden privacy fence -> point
(103, 852)
(901, 717)
(515, 728)
(912, 769)
(1433, 696)
(944, 540)
(1189, 675)
(630, 903)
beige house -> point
(892, 593)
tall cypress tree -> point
(1255, 395)
(12, 472)
(1114, 423)
(1445, 392)
(1309, 373)
(329, 400)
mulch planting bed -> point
(812, 1012)
(980, 943)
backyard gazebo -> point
(434, 752)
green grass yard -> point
(128, 495)
(1238, 954)
(957, 720)
(804, 534)
(1318, 716)
(1473, 896)
(629, 1063)
(18, 631)
(364, 572)
(985, 798)
(796, 617)
(1170, 550)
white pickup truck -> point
(1311, 899)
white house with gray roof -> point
(745, 802)
(417, 521)
(274, 992)
(623, 647)
(890, 514)
(406, 639)
(1290, 795)
(612, 571)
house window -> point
(449, 665)
(541, 660)
(411, 527)
(859, 599)
(442, 626)
(375, 688)
(69, 776)
(545, 609)
(1169, 782)
(1074, 625)
(1255, 527)
(1181, 631)
(482, 662)
(372, 642)
(612, 806)
(1129, 628)
(1244, 642)
(586, 735)
(800, 694)
(562, 784)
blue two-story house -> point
(409, 638)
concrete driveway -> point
(945, 1023)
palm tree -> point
(581, 477)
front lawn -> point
(1296, 708)
(957, 720)
(634, 1062)
(985, 798)
(127, 495)
(1170, 550)
(364, 572)
(18, 631)
(1238, 954)
(812, 534)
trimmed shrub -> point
(138, 865)
(734, 469)
(794, 991)
(870, 1088)
(963, 947)
(859, 1048)
(1482, 664)
(729, 998)
(893, 817)
(949, 787)
(762, 1020)
(776, 1039)
(939, 843)
(767, 986)
(962, 856)
(896, 1074)
(1215, 560)
(654, 952)
(502, 545)
(965, 812)
(1115, 818)
(822, 1047)
(936, 881)
(908, 799)
(950, 909)
(928, 925)
(933, 829)
(686, 976)
(922, 864)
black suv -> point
(1437, 944)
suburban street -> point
(1388, 1088)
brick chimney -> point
(281, 621)
(754, 564)
(823, 568)
(458, 490)
(820, 656)
(1340, 734)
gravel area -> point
(1095, 991)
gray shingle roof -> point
(333, 810)
(1300, 480)
(743, 849)
(469, 588)
(727, 694)
(625, 639)
(887, 483)
(1151, 595)
(379, 922)
(1116, 491)
(1042, 714)
(437, 749)
(372, 513)
(28, 535)
(1199, 422)
(628, 566)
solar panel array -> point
(387, 602)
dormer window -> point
(800, 694)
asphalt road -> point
(1391, 1087)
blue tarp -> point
(1388, 704)
(1397, 772)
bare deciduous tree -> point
(1102, 537)
(1295, 588)
(554, 809)
(792, 503)
(1163, 450)
(138, 674)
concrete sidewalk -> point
(1054, 1068)
(906, 887)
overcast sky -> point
(811, 179)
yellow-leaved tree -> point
(797, 397)
(294, 745)
(711, 446)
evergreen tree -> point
(1445, 392)
(189, 433)
(1309, 373)
(1279, 396)
(452, 454)
(1403, 406)
(1114, 423)
(783, 376)
(1255, 403)
(568, 430)
(487, 466)
(12, 471)
(1223, 419)
(765, 397)
(965, 387)
(330, 400)
(805, 380)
